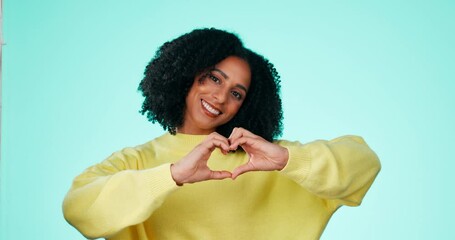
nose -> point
(220, 95)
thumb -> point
(218, 175)
(241, 170)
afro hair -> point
(170, 74)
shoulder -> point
(344, 138)
(133, 157)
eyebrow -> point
(226, 77)
(221, 72)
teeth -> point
(210, 109)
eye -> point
(236, 95)
(214, 78)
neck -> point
(194, 131)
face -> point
(216, 96)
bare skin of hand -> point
(193, 167)
(264, 155)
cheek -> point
(235, 107)
(203, 86)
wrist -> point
(175, 175)
(285, 158)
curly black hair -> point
(170, 74)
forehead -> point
(236, 69)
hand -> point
(264, 155)
(193, 167)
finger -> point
(223, 145)
(239, 132)
(215, 135)
(218, 175)
(246, 132)
(241, 170)
(248, 141)
(236, 134)
(233, 133)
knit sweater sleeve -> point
(340, 171)
(116, 193)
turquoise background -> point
(384, 70)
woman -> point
(220, 103)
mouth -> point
(211, 110)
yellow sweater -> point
(131, 195)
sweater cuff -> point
(299, 163)
(159, 180)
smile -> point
(210, 109)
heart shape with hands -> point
(263, 156)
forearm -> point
(342, 168)
(104, 205)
